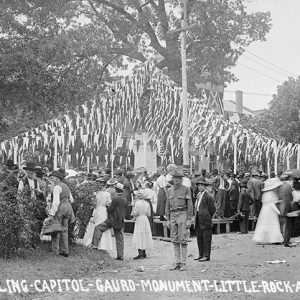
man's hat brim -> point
(203, 182)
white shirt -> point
(161, 181)
(186, 182)
(31, 185)
(56, 200)
(199, 196)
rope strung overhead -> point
(87, 131)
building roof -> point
(230, 106)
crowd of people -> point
(171, 195)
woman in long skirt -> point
(142, 236)
(161, 196)
(267, 229)
(103, 199)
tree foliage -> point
(281, 119)
(56, 54)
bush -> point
(10, 221)
(19, 225)
(83, 206)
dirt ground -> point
(234, 257)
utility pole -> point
(184, 98)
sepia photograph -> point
(149, 149)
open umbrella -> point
(295, 173)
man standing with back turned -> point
(179, 212)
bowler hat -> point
(57, 174)
(30, 166)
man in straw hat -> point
(204, 210)
(60, 212)
(179, 212)
(115, 219)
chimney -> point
(239, 101)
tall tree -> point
(55, 54)
(282, 118)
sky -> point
(266, 65)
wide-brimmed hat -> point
(119, 186)
(30, 166)
(202, 181)
(57, 174)
(101, 179)
(271, 184)
(111, 181)
(39, 172)
(129, 174)
(178, 173)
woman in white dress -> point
(103, 199)
(267, 229)
(142, 236)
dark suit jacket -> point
(245, 201)
(206, 211)
(217, 181)
(285, 194)
(116, 212)
(254, 188)
(234, 193)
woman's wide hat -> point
(271, 184)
